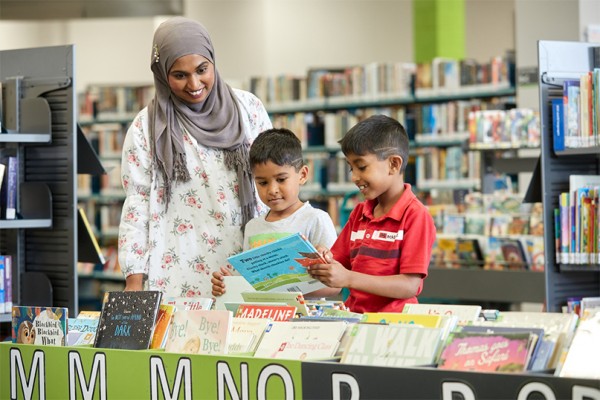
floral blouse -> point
(179, 248)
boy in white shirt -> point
(279, 172)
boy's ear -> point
(303, 174)
(395, 164)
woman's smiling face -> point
(191, 78)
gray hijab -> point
(216, 122)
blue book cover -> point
(39, 325)
(279, 266)
(558, 125)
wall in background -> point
(262, 37)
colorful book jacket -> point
(430, 321)
(279, 266)
(190, 303)
(161, 328)
(392, 345)
(466, 313)
(127, 320)
(301, 340)
(276, 313)
(199, 332)
(295, 299)
(81, 331)
(246, 334)
(39, 325)
(470, 351)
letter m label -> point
(37, 371)
(183, 375)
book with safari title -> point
(39, 325)
(127, 320)
(280, 266)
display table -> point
(36, 372)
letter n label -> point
(183, 375)
(76, 372)
(37, 371)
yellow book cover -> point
(429, 321)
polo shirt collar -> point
(397, 210)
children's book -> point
(475, 351)
(162, 325)
(469, 252)
(538, 332)
(276, 313)
(81, 331)
(301, 340)
(199, 332)
(443, 254)
(582, 358)
(127, 320)
(430, 321)
(40, 325)
(392, 345)
(246, 333)
(513, 253)
(558, 328)
(295, 299)
(190, 303)
(280, 266)
(466, 314)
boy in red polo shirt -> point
(383, 252)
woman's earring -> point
(155, 54)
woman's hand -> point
(218, 286)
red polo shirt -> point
(399, 242)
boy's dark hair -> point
(379, 135)
(278, 145)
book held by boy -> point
(280, 266)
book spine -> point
(564, 228)
(2, 283)
(11, 189)
(558, 126)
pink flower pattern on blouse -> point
(179, 247)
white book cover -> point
(582, 360)
(466, 313)
(581, 181)
(244, 329)
(199, 332)
(301, 340)
(190, 303)
(394, 345)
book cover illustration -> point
(444, 253)
(276, 313)
(199, 332)
(301, 340)
(295, 299)
(470, 351)
(127, 320)
(466, 313)
(469, 253)
(161, 327)
(279, 266)
(427, 320)
(513, 253)
(81, 331)
(246, 334)
(39, 325)
(190, 303)
(392, 345)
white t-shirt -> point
(313, 223)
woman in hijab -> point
(185, 168)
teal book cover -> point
(279, 266)
(39, 325)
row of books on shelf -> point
(379, 80)
(106, 102)
(489, 252)
(449, 337)
(575, 115)
(514, 128)
(6, 295)
(447, 163)
(577, 222)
